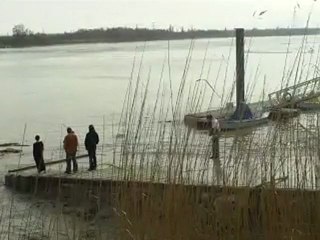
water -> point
(46, 89)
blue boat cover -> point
(242, 112)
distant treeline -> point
(22, 37)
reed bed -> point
(264, 186)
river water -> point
(46, 89)
(74, 85)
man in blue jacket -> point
(91, 141)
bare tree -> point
(20, 30)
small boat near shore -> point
(283, 104)
(225, 124)
(224, 116)
(232, 118)
(200, 122)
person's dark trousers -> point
(215, 147)
(216, 157)
(40, 164)
(71, 157)
(37, 160)
(92, 158)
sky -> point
(52, 16)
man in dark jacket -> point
(38, 154)
(91, 141)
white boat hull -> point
(201, 123)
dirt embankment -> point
(7, 148)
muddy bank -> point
(10, 150)
(79, 209)
(13, 145)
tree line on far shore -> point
(23, 37)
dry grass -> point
(263, 187)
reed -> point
(263, 187)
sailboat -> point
(232, 118)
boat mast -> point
(240, 67)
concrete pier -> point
(254, 210)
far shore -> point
(118, 35)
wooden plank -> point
(47, 164)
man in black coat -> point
(38, 155)
(91, 141)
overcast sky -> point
(60, 15)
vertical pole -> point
(240, 66)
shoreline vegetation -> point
(22, 37)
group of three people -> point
(70, 144)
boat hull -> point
(201, 123)
(229, 125)
(278, 114)
(306, 106)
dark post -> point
(240, 66)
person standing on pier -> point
(70, 144)
(91, 141)
(38, 154)
(214, 132)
